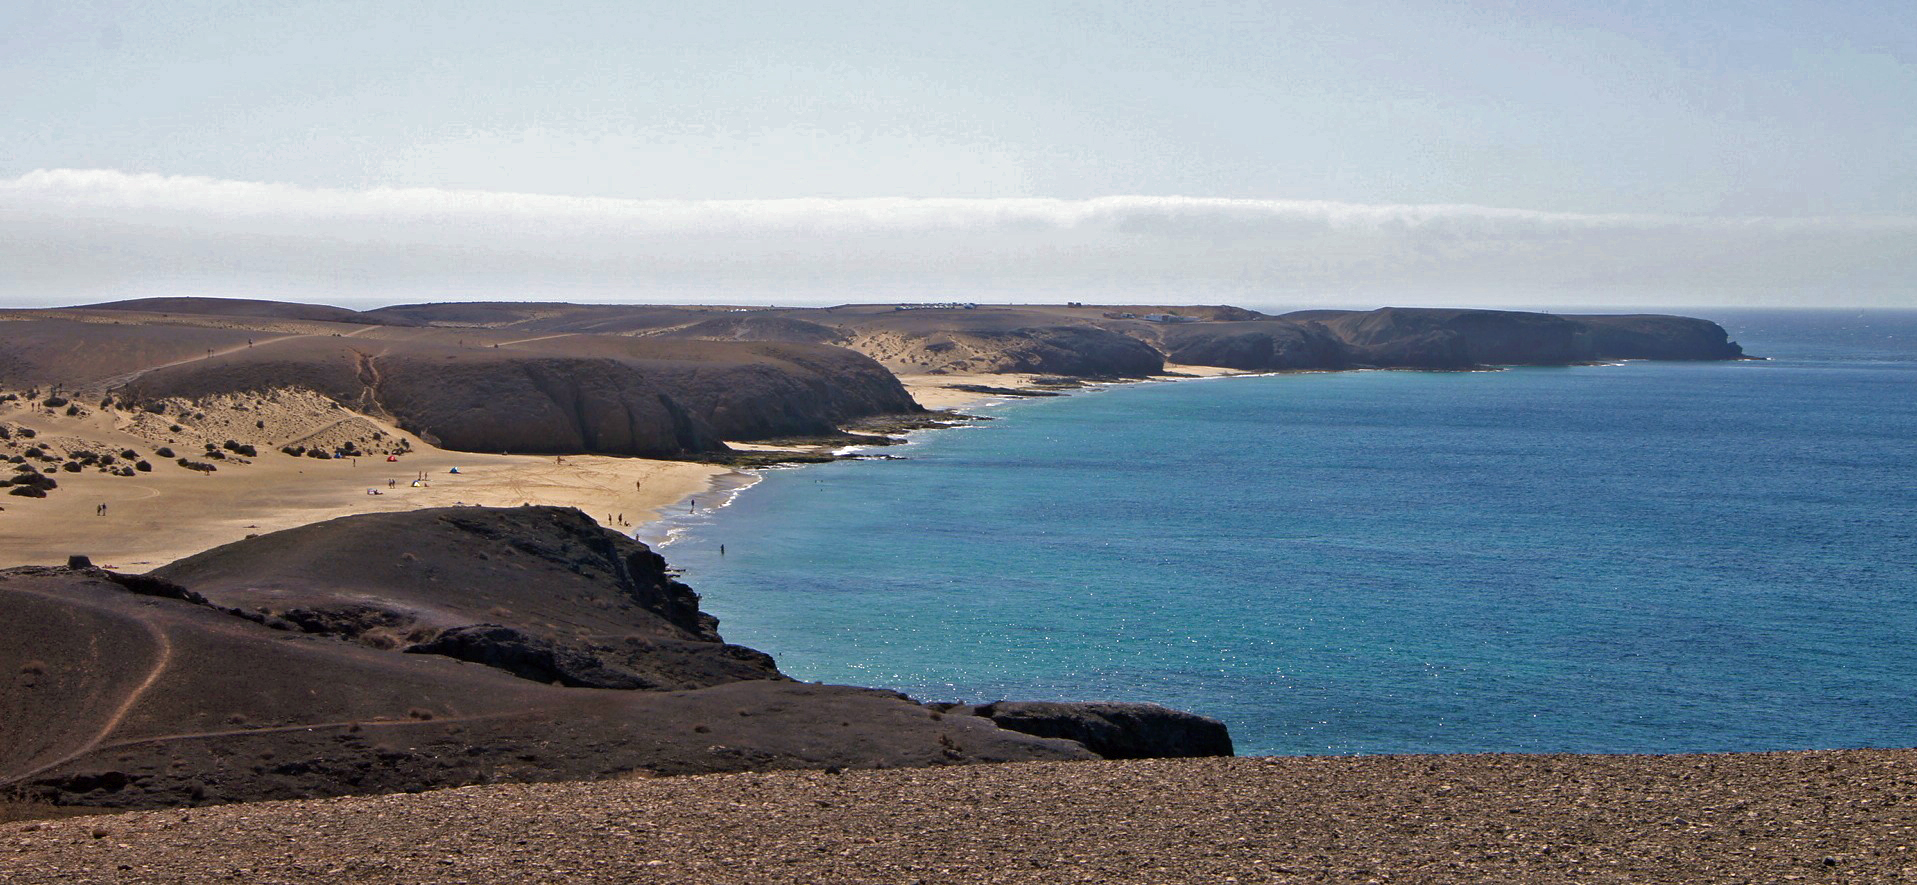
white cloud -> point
(76, 235)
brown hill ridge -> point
(673, 381)
(431, 648)
(1104, 341)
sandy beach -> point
(170, 512)
(942, 391)
(156, 517)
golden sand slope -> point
(171, 512)
(156, 517)
(1844, 816)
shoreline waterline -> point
(1412, 555)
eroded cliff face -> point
(538, 405)
(617, 397)
(1431, 338)
(786, 390)
(1652, 337)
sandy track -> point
(162, 657)
(122, 380)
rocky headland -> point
(407, 651)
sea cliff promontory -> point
(433, 648)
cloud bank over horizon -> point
(72, 236)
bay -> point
(1644, 557)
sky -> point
(1350, 154)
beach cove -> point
(1381, 562)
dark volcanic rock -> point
(564, 395)
(528, 657)
(1657, 338)
(1115, 731)
(544, 592)
(274, 668)
(539, 405)
(1456, 338)
(131, 701)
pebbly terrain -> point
(1838, 816)
(432, 648)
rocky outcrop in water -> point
(1114, 730)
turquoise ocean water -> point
(1646, 557)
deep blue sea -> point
(1645, 557)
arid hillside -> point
(1132, 341)
(441, 647)
(1837, 816)
(473, 390)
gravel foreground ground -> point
(1843, 816)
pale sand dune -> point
(155, 518)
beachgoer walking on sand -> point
(101, 511)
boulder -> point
(1115, 730)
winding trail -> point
(305, 726)
(116, 382)
(121, 380)
(161, 661)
